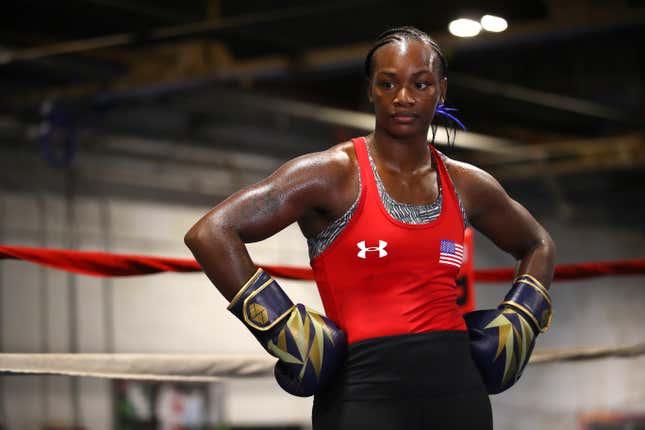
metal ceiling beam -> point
(568, 157)
(147, 10)
(542, 98)
(172, 32)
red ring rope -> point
(108, 265)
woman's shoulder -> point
(327, 171)
(467, 174)
(474, 184)
(329, 178)
(338, 161)
(344, 155)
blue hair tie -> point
(445, 111)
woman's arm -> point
(501, 339)
(506, 222)
(284, 329)
(259, 211)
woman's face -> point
(406, 87)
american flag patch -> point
(451, 253)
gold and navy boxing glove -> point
(502, 339)
(309, 347)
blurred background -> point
(122, 123)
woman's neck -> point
(400, 155)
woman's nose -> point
(403, 97)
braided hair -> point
(398, 34)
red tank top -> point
(383, 277)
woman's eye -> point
(422, 85)
(387, 85)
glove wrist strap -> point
(261, 303)
(530, 297)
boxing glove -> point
(502, 339)
(309, 347)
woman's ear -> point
(369, 91)
(444, 90)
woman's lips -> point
(404, 118)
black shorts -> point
(412, 381)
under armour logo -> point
(380, 248)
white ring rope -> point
(582, 354)
(209, 368)
(153, 367)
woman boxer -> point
(384, 218)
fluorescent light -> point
(464, 27)
(494, 23)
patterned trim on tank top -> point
(322, 240)
(407, 213)
(404, 212)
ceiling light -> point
(494, 23)
(464, 27)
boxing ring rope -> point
(211, 368)
(208, 368)
(102, 264)
(145, 367)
